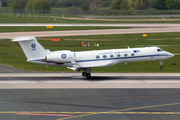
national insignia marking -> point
(63, 56)
(33, 45)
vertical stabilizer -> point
(31, 47)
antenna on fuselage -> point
(128, 47)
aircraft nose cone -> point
(170, 54)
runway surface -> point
(98, 80)
(136, 28)
(66, 96)
(90, 104)
(12, 78)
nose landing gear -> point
(162, 67)
(160, 62)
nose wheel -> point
(162, 67)
(87, 75)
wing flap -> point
(97, 64)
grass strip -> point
(55, 28)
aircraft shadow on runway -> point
(93, 78)
(100, 78)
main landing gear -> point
(87, 72)
(87, 75)
(160, 62)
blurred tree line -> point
(93, 4)
(145, 4)
(62, 3)
(38, 6)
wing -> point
(100, 63)
(81, 65)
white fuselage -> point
(100, 58)
(85, 60)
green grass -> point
(4, 8)
(55, 28)
(61, 8)
(12, 54)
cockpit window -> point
(159, 50)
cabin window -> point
(132, 54)
(118, 55)
(125, 55)
(104, 56)
(97, 56)
(111, 55)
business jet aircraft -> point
(85, 60)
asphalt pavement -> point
(135, 29)
(90, 104)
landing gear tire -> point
(88, 75)
(161, 64)
(84, 74)
(162, 67)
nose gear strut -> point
(161, 64)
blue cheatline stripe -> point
(122, 58)
(106, 58)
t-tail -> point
(31, 47)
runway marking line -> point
(135, 108)
(94, 113)
(56, 113)
(11, 112)
(41, 114)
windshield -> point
(159, 50)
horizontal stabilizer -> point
(20, 39)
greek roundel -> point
(63, 56)
(33, 45)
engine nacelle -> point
(59, 57)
